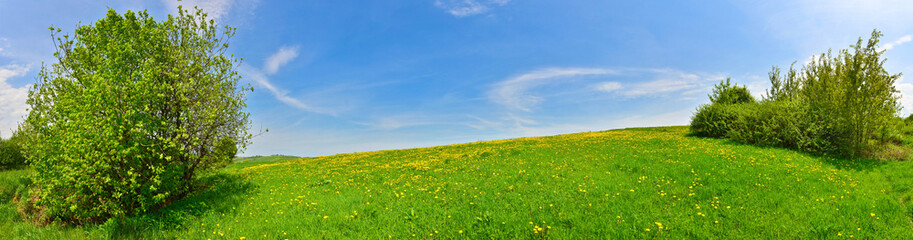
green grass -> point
(270, 158)
(632, 183)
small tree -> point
(132, 113)
(726, 93)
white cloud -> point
(906, 96)
(607, 86)
(12, 99)
(281, 94)
(215, 8)
(404, 120)
(676, 118)
(512, 92)
(462, 8)
(898, 42)
(813, 58)
(483, 123)
(4, 45)
(663, 82)
(659, 87)
(280, 58)
(271, 66)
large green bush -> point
(131, 115)
(781, 124)
(715, 120)
(852, 93)
(835, 104)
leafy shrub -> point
(11, 153)
(715, 120)
(782, 124)
(835, 104)
(726, 93)
(130, 116)
(852, 92)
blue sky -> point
(348, 76)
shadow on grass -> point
(837, 161)
(223, 191)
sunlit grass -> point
(634, 183)
(270, 158)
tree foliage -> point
(727, 93)
(132, 113)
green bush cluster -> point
(11, 153)
(844, 104)
(134, 112)
(782, 124)
(726, 105)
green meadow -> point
(617, 184)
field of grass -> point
(270, 158)
(632, 183)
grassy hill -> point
(270, 158)
(631, 183)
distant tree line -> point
(845, 104)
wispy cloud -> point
(512, 92)
(403, 120)
(4, 45)
(906, 95)
(12, 99)
(280, 94)
(667, 81)
(607, 86)
(663, 82)
(218, 10)
(898, 42)
(463, 8)
(215, 8)
(280, 58)
(415, 119)
(271, 66)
